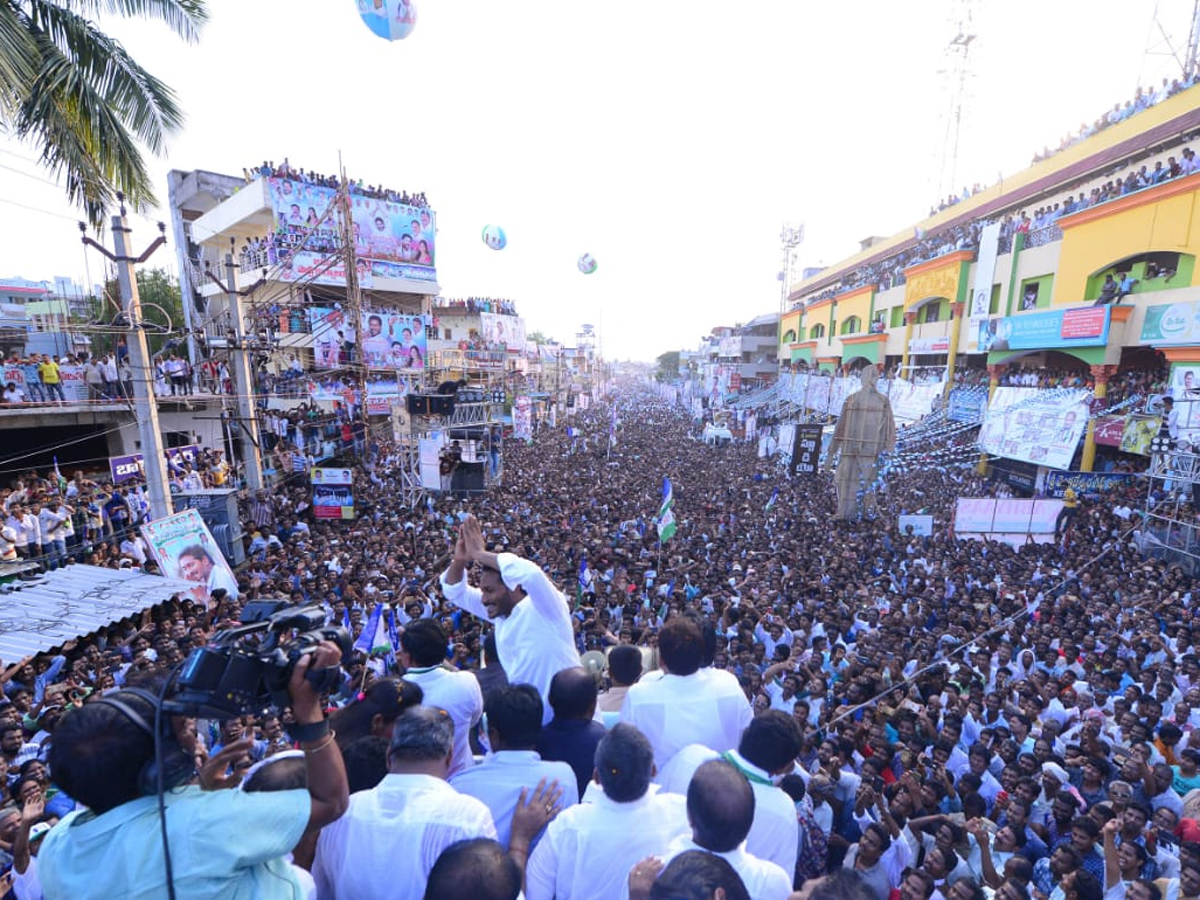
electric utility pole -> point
(139, 356)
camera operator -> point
(226, 844)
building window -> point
(789, 336)
(818, 331)
(931, 311)
(852, 325)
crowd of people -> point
(477, 304)
(1142, 99)
(771, 698)
(357, 188)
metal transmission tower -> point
(790, 237)
(1170, 51)
(956, 73)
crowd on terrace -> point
(477, 304)
(358, 188)
(1087, 192)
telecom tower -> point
(957, 73)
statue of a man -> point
(865, 429)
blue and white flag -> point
(374, 637)
(771, 502)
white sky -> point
(671, 140)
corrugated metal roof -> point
(73, 601)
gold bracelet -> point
(329, 738)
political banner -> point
(1109, 431)
(133, 466)
(391, 240)
(922, 526)
(393, 340)
(333, 493)
(912, 401)
(806, 450)
(334, 336)
(523, 418)
(1001, 519)
(1138, 432)
(127, 468)
(74, 386)
(1042, 427)
(184, 548)
(1079, 327)
(968, 404)
(501, 329)
(985, 271)
(1185, 391)
(1055, 484)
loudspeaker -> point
(468, 477)
(429, 404)
(178, 764)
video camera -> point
(246, 669)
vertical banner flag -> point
(666, 517)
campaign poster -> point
(184, 548)
(1138, 432)
(1185, 391)
(333, 493)
(922, 526)
(1035, 426)
(806, 452)
(391, 240)
(501, 329)
(334, 336)
(393, 340)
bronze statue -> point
(865, 429)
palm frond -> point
(184, 17)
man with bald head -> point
(720, 810)
(572, 735)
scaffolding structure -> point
(1170, 530)
(478, 410)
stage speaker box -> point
(429, 404)
(468, 477)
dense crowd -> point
(357, 188)
(477, 304)
(918, 716)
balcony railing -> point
(1043, 236)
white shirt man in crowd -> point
(390, 837)
(688, 705)
(531, 617)
(514, 721)
(423, 654)
(768, 748)
(721, 809)
(588, 850)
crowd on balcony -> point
(357, 188)
(477, 304)
(889, 273)
(1142, 99)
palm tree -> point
(77, 96)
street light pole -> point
(139, 356)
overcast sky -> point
(670, 140)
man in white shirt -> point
(768, 748)
(532, 620)
(390, 837)
(688, 705)
(423, 655)
(587, 852)
(720, 809)
(16, 520)
(514, 721)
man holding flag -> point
(534, 636)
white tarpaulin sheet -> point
(1042, 427)
(74, 601)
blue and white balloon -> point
(494, 237)
(587, 264)
(392, 20)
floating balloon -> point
(587, 264)
(392, 20)
(494, 237)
